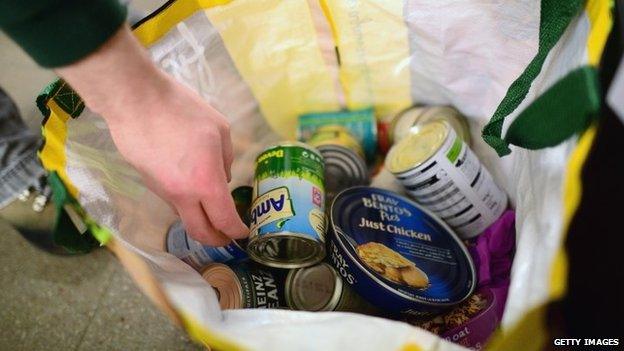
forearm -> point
(110, 79)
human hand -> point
(179, 144)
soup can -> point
(410, 119)
(287, 216)
(246, 285)
(441, 173)
(397, 255)
(344, 159)
(320, 288)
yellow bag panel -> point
(372, 40)
(273, 44)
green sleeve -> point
(58, 32)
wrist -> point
(116, 77)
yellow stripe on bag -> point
(599, 13)
(201, 334)
(573, 189)
(53, 156)
(372, 40)
(274, 46)
(156, 27)
(531, 332)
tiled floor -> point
(68, 303)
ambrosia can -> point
(344, 159)
(409, 120)
(246, 285)
(397, 255)
(441, 173)
(320, 288)
(288, 212)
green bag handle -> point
(69, 231)
(565, 109)
(555, 16)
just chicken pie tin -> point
(396, 254)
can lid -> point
(316, 288)
(404, 121)
(226, 285)
(399, 248)
(417, 147)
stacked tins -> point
(322, 240)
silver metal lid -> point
(316, 288)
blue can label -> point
(197, 255)
(397, 255)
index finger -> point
(220, 208)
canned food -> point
(361, 123)
(441, 173)
(336, 135)
(320, 288)
(288, 211)
(409, 120)
(470, 324)
(197, 255)
(344, 159)
(397, 255)
(246, 285)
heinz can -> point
(246, 285)
(410, 119)
(345, 166)
(288, 212)
(441, 173)
(320, 288)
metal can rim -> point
(318, 256)
(391, 153)
(331, 304)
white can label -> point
(457, 187)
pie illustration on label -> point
(392, 265)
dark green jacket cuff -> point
(55, 32)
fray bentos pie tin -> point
(397, 255)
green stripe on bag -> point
(562, 111)
(555, 16)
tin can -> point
(320, 288)
(288, 212)
(246, 285)
(410, 119)
(344, 159)
(336, 135)
(197, 255)
(396, 254)
(441, 173)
